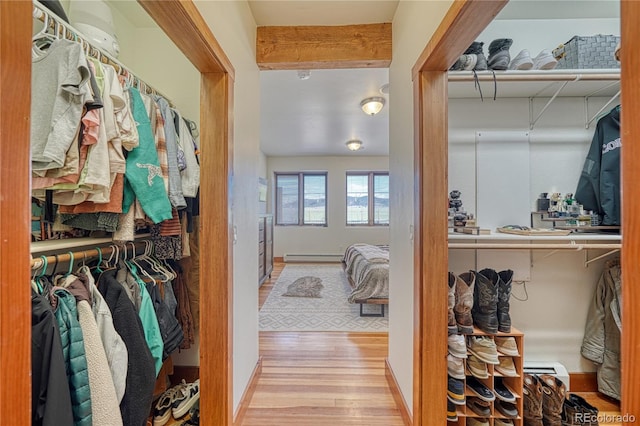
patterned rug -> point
(330, 312)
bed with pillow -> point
(367, 267)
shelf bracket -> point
(533, 122)
(587, 261)
(588, 123)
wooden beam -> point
(431, 253)
(15, 219)
(324, 47)
(185, 26)
(464, 21)
(216, 253)
(630, 132)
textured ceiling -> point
(318, 12)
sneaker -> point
(479, 389)
(455, 367)
(162, 409)
(457, 345)
(506, 367)
(544, 61)
(484, 348)
(182, 407)
(507, 409)
(502, 391)
(479, 406)
(477, 368)
(522, 61)
(465, 63)
(452, 414)
(194, 417)
(476, 49)
(499, 57)
(472, 421)
(577, 411)
(455, 391)
(502, 422)
(507, 346)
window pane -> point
(357, 199)
(315, 200)
(287, 199)
(381, 199)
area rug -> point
(329, 312)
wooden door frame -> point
(465, 20)
(182, 22)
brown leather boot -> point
(464, 301)
(553, 395)
(452, 326)
(485, 301)
(532, 401)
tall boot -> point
(452, 326)
(504, 293)
(485, 301)
(476, 49)
(553, 395)
(499, 57)
(532, 401)
(465, 284)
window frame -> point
(370, 194)
(301, 176)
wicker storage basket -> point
(591, 52)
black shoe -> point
(452, 414)
(479, 389)
(485, 301)
(476, 49)
(479, 406)
(499, 57)
(502, 392)
(504, 293)
(507, 409)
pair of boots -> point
(543, 400)
(474, 58)
(491, 301)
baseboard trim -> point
(278, 260)
(248, 393)
(397, 395)
(583, 382)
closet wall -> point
(559, 282)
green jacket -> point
(74, 357)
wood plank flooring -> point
(321, 378)
(335, 379)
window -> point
(367, 198)
(301, 199)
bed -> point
(367, 268)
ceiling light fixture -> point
(373, 105)
(304, 74)
(354, 144)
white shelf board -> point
(536, 83)
(582, 237)
(73, 243)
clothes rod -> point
(539, 76)
(503, 246)
(39, 261)
(44, 15)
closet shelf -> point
(50, 246)
(536, 83)
(535, 242)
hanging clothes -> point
(599, 185)
(50, 397)
(601, 343)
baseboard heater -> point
(318, 257)
(547, 367)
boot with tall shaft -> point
(485, 301)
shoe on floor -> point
(479, 389)
(163, 408)
(507, 409)
(183, 406)
(532, 400)
(484, 348)
(577, 411)
(522, 61)
(507, 346)
(553, 395)
(477, 368)
(506, 367)
(455, 391)
(457, 345)
(455, 367)
(452, 414)
(544, 61)
(472, 421)
(502, 391)
(479, 406)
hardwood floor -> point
(321, 378)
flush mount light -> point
(373, 105)
(304, 74)
(354, 144)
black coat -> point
(141, 374)
(50, 400)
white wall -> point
(234, 27)
(334, 238)
(262, 173)
(413, 25)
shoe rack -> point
(515, 384)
